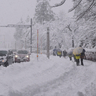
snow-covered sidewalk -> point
(47, 77)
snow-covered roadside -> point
(69, 83)
(46, 77)
(19, 76)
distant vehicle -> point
(6, 57)
(22, 56)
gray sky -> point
(11, 11)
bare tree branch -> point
(75, 29)
(61, 3)
(82, 14)
(69, 27)
(27, 33)
(75, 6)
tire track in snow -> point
(56, 68)
(68, 81)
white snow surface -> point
(48, 77)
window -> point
(3, 53)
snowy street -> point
(47, 47)
(48, 77)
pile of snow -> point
(48, 77)
(90, 50)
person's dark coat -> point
(82, 54)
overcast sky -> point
(11, 11)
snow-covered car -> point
(22, 56)
(6, 57)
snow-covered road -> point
(47, 77)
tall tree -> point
(43, 12)
(87, 5)
(85, 14)
(21, 35)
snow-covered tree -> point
(21, 35)
(59, 36)
(86, 18)
(81, 7)
(85, 15)
(43, 12)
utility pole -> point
(72, 41)
(48, 43)
(15, 46)
(23, 26)
(37, 44)
(25, 43)
(31, 37)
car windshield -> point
(22, 52)
(3, 53)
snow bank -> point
(48, 77)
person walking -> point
(76, 58)
(82, 57)
(64, 53)
(55, 51)
(70, 56)
(70, 53)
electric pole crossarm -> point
(13, 25)
(3, 26)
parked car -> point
(6, 57)
(22, 56)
